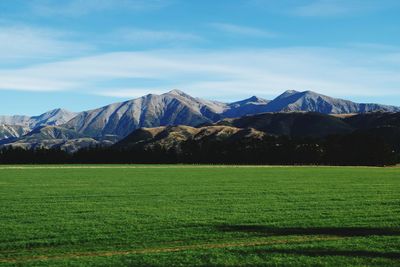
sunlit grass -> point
(200, 216)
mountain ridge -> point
(292, 126)
(178, 108)
(55, 117)
(113, 122)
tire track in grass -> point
(185, 167)
(206, 246)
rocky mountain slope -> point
(311, 101)
(111, 123)
(52, 117)
(174, 136)
(50, 137)
(12, 131)
(178, 108)
(249, 130)
(12, 127)
(294, 124)
(120, 119)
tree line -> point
(359, 148)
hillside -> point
(53, 117)
(51, 137)
(313, 102)
(295, 124)
(294, 114)
(174, 136)
(178, 108)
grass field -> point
(200, 216)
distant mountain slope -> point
(178, 108)
(15, 120)
(12, 131)
(120, 119)
(54, 137)
(311, 138)
(250, 106)
(174, 136)
(116, 121)
(374, 120)
(295, 124)
(53, 117)
(311, 101)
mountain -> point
(174, 136)
(112, 123)
(178, 108)
(294, 124)
(311, 101)
(250, 106)
(53, 117)
(270, 138)
(374, 120)
(12, 127)
(12, 131)
(50, 137)
(19, 120)
(172, 108)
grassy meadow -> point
(199, 216)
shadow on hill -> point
(328, 253)
(332, 231)
(324, 231)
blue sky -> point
(81, 54)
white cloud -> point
(21, 43)
(243, 30)
(231, 73)
(132, 92)
(374, 46)
(324, 8)
(83, 7)
(141, 36)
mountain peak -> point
(309, 92)
(291, 92)
(254, 99)
(176, 92)
(57, 111)
(288, 93)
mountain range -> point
(249, 133)
(294, 125)
(111, 123)
(17, 125)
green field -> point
(202, 216)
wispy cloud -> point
(132, 92)
(237, 73)
(144, 36)
(83, 7)
(326, 8)
(22, 43)
(374, 46)
(243, 30)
